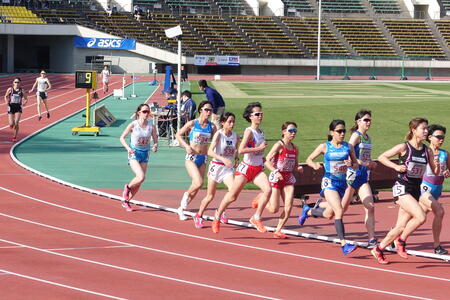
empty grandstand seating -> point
(220, 34)
(364, 36)
(59, 16)
(267, 35)
(298, 5)
(342, 6)
(305, 30)
(414, 37)
(186, 5)
(444, 29)
(385, 6)
(19, 14)
(234, 6)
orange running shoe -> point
(379, 255)
(215, 226)
(255, 201)
(400, 245)
(258, 224)
(279, 235)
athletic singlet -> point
(416, 164)
(140, 137)
(255, 158)
(42, 84)
(226, 146)
(285, 160)
(199, 135)
(16, 96)
(335, 166)
(363, 150)
(105, 75)
(437, 179)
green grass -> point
(313, 105)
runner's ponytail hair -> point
(413, 124)
(358, 116)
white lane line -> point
(140, 272)
(89, 248)
(210, 260)
(221, 241)
(62, 285)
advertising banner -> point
(220, 60)
(104, 43)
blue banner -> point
(104, 43)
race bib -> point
(351, 175)
(288, 164)
(190, 157)
(416, 170)
(213, 170)
(425, 188)
(15, 98)
(242, 168)
(143, 141)
(273, 177)
(338, 167)
(398, 190)
(326, 182)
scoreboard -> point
(86, 79)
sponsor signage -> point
(104, 43)
(220, 60)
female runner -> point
(223, 150)
(413, 156)
(338, 155)
(141, 131)
(250, 169)
(43, 85)
(14, 97)
(433, 183)
(200, 131)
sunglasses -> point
(439, 137)
(145, 111)
(207, 109)
(341, 131)
(366, 120)
(16, 81)
(257, 114)
(292, 130)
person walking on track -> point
(138, 151)
(15, 98)
(43, 86)
(106, 74)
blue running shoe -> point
(302, 218)
(348, 248)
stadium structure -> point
(357, 37)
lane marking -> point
(221, 241)
(61, 285)
(89, 248)
(140, 272)
(210, 260)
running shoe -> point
(255, 202)
(401, 248)
(14, 139)
(379, 255)
(440, 250)
(126, 205)
(198, 221)
(372, 243)
(224, 218)
(48, 115)
(181, 215)
(258, 224)
(39, 118)
(184, 201)
(348, 248)
(279, 235)
(215, 226)
(302, 218)
(126, 193)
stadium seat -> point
(19, 14)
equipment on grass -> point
(86, 80)
(103, 117)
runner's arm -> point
(315, 154)
(384, 158)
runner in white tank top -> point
(141, 131)
(223, 150)
(43, 85)
(251, 169)
(105, 79)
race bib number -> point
(351, 175)
(229, 151)
(213, 168)
(15, 99)
(288, 164)
(242, 168)
(143, 141)
(425, 188)
(398, 190)
(416, 170)
(365, 151)
(326, 183)
(338, 167)
(273, 177)
(190, 157)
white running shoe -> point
(184, 201)
(181, 215)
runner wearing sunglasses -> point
(250, 169)
(201, 130)
(433, 183)
(14, 97)
(138, 151)
(338, 156)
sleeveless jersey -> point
(105, 75)
(226, 146)
(335, 167)
(416, 163)
(363, 150)
(199, 135)
(42, 84)
(16, 96)
(140, 137)
(255, 158)
(285, 160)
(437, 179)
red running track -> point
(58, 242)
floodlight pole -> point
(319, 23)
(179, 86)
